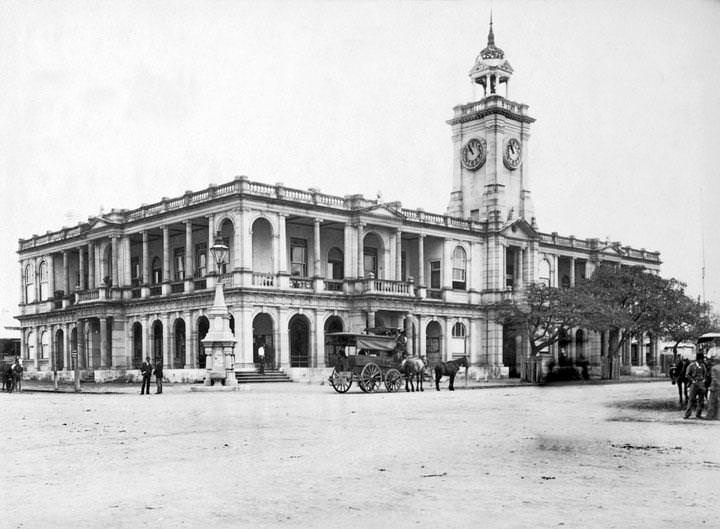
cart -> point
(371, 360)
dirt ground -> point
(295, 455)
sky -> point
(117, 104)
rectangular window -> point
(298, 257)
(201, 259)
(370, 262)
(475, 214)
(435, 274)
(403, 266)
(135, 272)
(179, 260)
(459, 277)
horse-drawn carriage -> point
(371, 360)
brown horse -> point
(413, 368)
(449, 369)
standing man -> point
(695, 375)
(158, 376)
(714, 396)
(261, 357)
(146, 372)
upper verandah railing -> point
(242, 186)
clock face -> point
(511, 154)
(474, 154)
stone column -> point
(398, 255)
(191, 352)
(421, 346)
(166, 260)
(317, 265)
(66, 273)
(66, 347)
(91, 266)
(348, 261)
(282, 244)
(81, 284)
(114, 262)
(282, 340)
(421, 264)
(360, 250)
(211, 240)
(572, 271)
(125, 274)
(104, 353)
(167, 342)
(146, 339)
(81, 352)
(145, 258)
(317, 350)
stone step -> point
(257, 378)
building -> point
(129, 284)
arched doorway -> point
(299, 330)
(510, 351)
(157, 341)
(263, 334)
(203, 327)
(332, 324)
(59, 351)
(137, 345)
(433, 343)
(179, 350)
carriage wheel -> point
(370, 377)
(393, 380)
(341, 380)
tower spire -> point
(491, 35)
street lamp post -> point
(219, 341)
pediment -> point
(104, 221)
(386, 210)
(519, 229)
(613, 250)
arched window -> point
(156, 271)
(30, 345)
(459, 264)
(29, 283)
(458, 330)
(544, 272)
(43, 278)
(44, 345)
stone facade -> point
(129, 284)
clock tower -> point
(490, 137)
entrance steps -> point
(270, 375)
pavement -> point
(460, 384)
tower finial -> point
(491, 35)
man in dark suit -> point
(695, 374)
(146, 372)
(158, 376)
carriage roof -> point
(370, 342)
(709, 337)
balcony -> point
(261, 279)
(301, 282)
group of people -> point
(12, 376)
(697, 381)
(147, 370)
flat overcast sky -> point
(114, 104)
